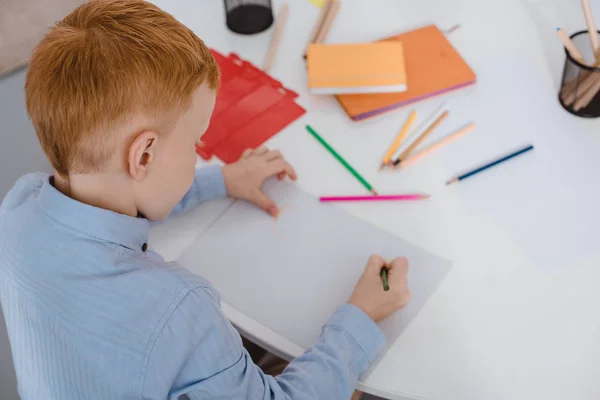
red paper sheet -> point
(251, 107)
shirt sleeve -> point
(209, 184)
(23, 188)
(199, 354)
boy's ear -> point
(141, 154)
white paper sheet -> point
(292, 274)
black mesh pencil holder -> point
(248, 16)
(580, 87)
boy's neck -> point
(98, 190)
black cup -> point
(248, 17)
(580, 87)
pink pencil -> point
(375, 198)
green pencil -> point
(340, 159)
(384, 278)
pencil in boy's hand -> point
(340, 159)
(384, 278)
(490, 164)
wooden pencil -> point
(588, 95)
(384, 278)
(490, 164)
(398, 139)
(592, 32)
(277, 35)
(395, 197)
(331, 14)
(414, 133)
(436, 146)
(570, 46)
(576, 87)
(420, 139)
(340, 159)
(318, 25)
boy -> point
(119, 93)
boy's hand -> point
(244, 178)
(369, 295)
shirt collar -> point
(103, 224)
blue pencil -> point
(490, 165)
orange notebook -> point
(433, 67)
(356, 68)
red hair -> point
(104, 62)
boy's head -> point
(119, 90)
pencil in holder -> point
(580, 86)
(248, 17)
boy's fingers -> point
(247, 153)
(375, 263)
(399, 270)
(280, 165)
(262, 201)
(399, 264)
(262, 150)
(273, 155)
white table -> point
(500, 326)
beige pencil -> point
(398, 139)
(592, 32)
(420, 139)
(436, 146)
(277, 35)
(318, 25)
(331, 14)
(586, 97)
(574, 90)
(568, 43)
(414, 133)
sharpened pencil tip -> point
(425, 196)
(373, 191)
(451, 181)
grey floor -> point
(20, 153)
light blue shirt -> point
(91, 315)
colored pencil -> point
(587, 94)
(579, 85)
(277, 34)
(398, 139)
(340, 159)
(420, 139)
(592, 32)
(375, 198)
(424, 125)
(384, 278)
(451, 29)
(331, 14)
(570, 46)
(436, 146)
(490, 165)
(318, 25)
